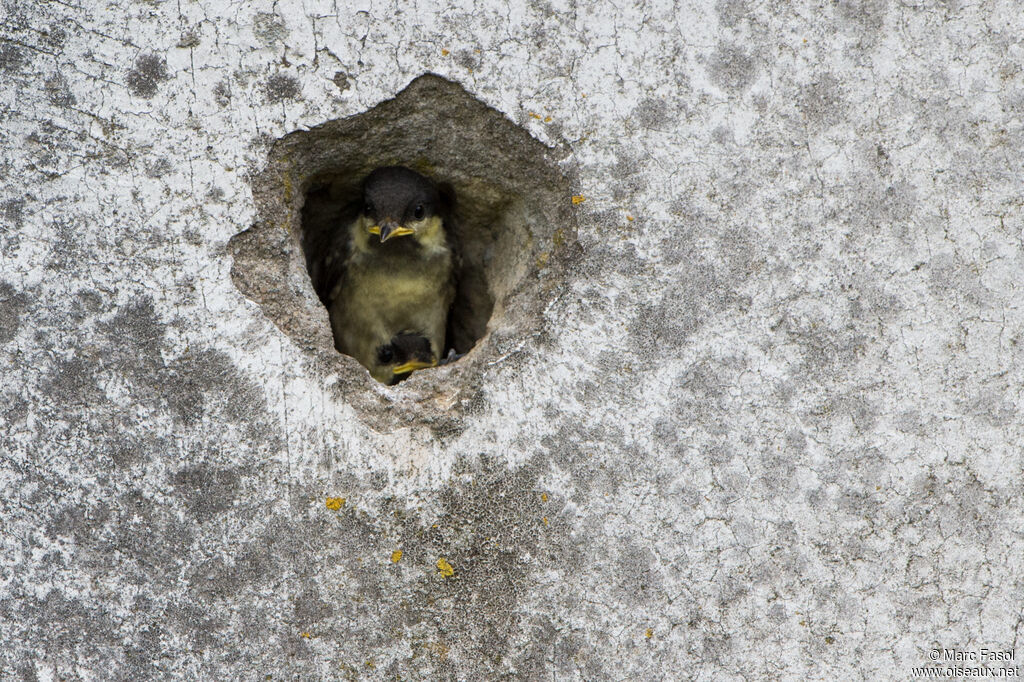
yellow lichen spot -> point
(335, 503)
(535, 115)
(444, 52)
(649, 633)
(543, 497)
(630, 218)
(558, 237)
(545, 520)
(371, 665)
(288, 188)
(445, 568)
(306, 635)
(547, 119)
(542, 259)
(436, 649)
(424, 166)
(578, 199)
(396, 556)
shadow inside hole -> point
(478, 222)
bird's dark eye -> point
(385, 355)
(418, 213)
(368, 208)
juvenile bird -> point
(393, 261)
(397, 359)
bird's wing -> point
(451, 225)
(328, 266)
(451, 232)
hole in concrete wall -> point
(514, 227)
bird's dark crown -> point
(399, 194)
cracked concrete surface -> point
(771, 429)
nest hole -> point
(514, 223)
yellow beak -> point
(413, 365)
(390, 231)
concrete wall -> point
(766, 426)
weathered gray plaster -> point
(770, 427)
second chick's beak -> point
(388, 229)
(413, 365)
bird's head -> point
(401, 356)
(398, 201)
